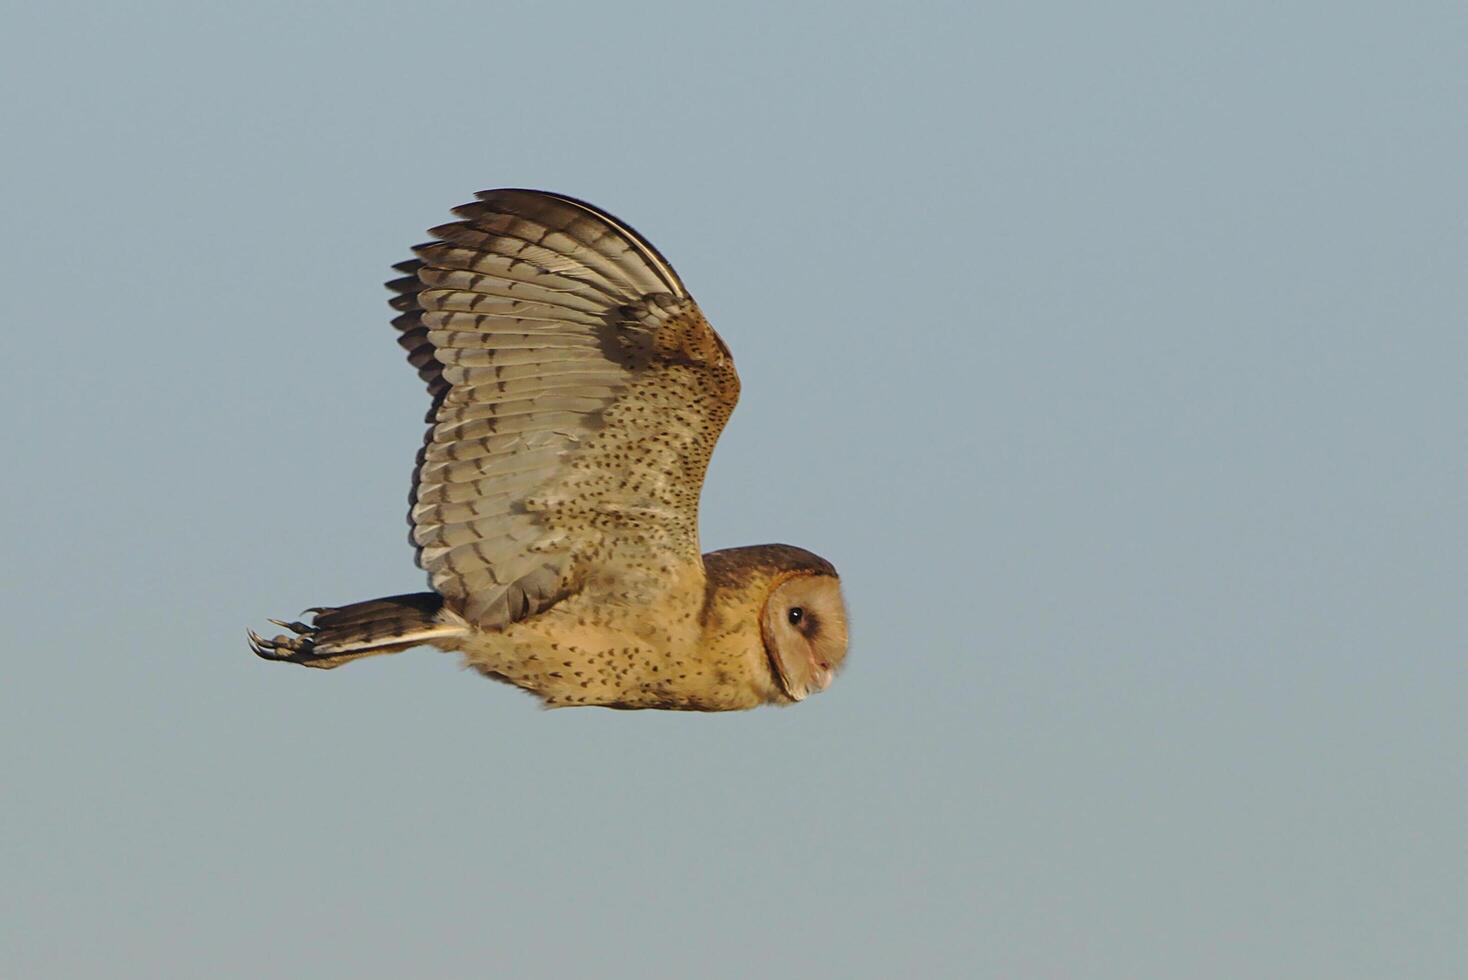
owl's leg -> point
(362, 629)
(297, 649)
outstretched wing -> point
(578, 393)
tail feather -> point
(363, 629)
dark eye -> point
(795, 615)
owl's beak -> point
(821, 676)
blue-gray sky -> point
(1114, 353)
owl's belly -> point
(586, 652)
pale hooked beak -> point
(821, 676)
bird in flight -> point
(577, 393)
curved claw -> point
(280, 648)
(260, 646)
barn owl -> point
(577, 393)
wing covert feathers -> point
(578, 392)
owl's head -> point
(794, 599)
(803, 626)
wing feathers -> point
(488, 474)
(530, 319)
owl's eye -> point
(795, 615)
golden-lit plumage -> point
(578, 393)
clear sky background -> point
(1115, 354)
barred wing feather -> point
(578, 392)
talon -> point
(261, 646)
(281, 647)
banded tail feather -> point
(363, 629)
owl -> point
(577, 394)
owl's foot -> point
(298, 649)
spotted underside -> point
(578, 393)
